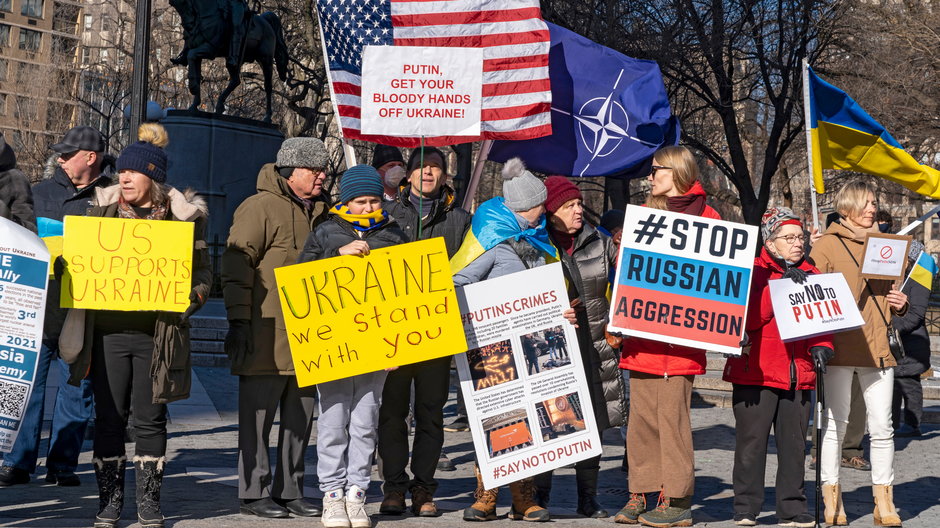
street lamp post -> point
(141, 67)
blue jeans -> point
(73, 408)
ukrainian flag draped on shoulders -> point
(494, 223)
(844, 136)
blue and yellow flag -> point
(494, 223)
(845, 137)
(924, 270)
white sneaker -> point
(356, 508)
(334, 510)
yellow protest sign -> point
(351, 315)
(121, 264)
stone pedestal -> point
(219, 157)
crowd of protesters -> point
(111, 363)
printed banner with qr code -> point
(24, 269)
(522, 378)
(683, 279)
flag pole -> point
(810, 168)
(349, 153)
(477, 172)
(916, 223)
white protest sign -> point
(885, 256)
(522, 378)
(24, 270)
(683, 279)
(412, 91)
(824, 304)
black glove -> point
(821, 356)
(194, 304)
(795, 274)
(238, 341)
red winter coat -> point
(769, 362)
(664, 359)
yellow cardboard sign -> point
(129, 265)
(351, 315)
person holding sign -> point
(587, 258)
(425, 208)
(916, 340)
(773, 382)
(269, 231)
(126, 366)
(349, 408)
(660, 455)
(864, 351)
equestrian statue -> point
(229, 29)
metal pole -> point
(810, 162)
(139, 80)
(477, 172)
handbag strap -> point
(867, 285)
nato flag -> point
(610, 113)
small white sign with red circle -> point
(885, 256)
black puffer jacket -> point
(446, 219)
(328, 237)
(587, 271)
(16, 199)
(913, 332)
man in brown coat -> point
(269, 231)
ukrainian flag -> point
(924, 270)
(494, 223)
(51, 231)
(844, 136)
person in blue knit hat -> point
(349, 407)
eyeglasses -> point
(791, 239)
(655, 168)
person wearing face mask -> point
(390, 165)
(863, 351)
(885, 222)
(140, 358)
(773, 382)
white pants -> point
(878, 390)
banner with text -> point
(127, 265)
(24, 270)
(351, 315)
(683, 279)
(413, 91)
(522, 378)
(824, 304)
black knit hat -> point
(429, 153)
(145, 158)
(384, 154)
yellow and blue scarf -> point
(361, 222)
(494, 223)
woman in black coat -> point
(916, 360)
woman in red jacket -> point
(659, 435)
(773, 382)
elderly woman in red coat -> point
(773, 382)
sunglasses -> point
(655, 168)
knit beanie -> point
(612, 220)
(303, 152)
(145, 158)
(521, 189)
(361, 180)
(776, 217)
(559, 190)
(430, 153)
(384, 154)
(915, 250)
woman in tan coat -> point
(863, 351)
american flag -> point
(515, 40)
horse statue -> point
(227, 28)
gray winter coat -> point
(594, 255)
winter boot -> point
(356, 508)
(524, 506)
(149, 473)
(671, 511)
(586, 479)
(543, 488)
(631, 512)
(832, 498)
(109, 472)
(885, 514)
(484, 508)
(422, 503)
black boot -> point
(109, 472)
(149, 472)
(586, 479)
(543, 488)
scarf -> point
(494, 223)
(126, 210)
(361, 222)
(693, 204)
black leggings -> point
(120, 370)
